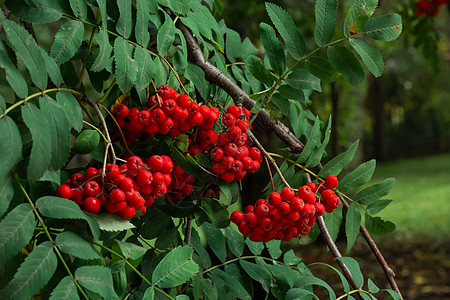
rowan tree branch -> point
(215, 76)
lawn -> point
(421, 194)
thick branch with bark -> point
(215, 76)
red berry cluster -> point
(168, 112)
(124, 190)
(230, 150)
(287, 214)
(181, 186)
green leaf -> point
(65, 290)
(71, 108)
(175, 268)
(196, 75)
(373, 288)
(378, 206)
(255, 247)
(190, 166)
(103, 59)
(258, 273)
(347, 63)
(86, 142)
(52, 68)
(13, 76)
(111, 222)
(313, 141)
(231, 191)
(335, 166)
(322, 68)
(326, 11)
(216, 240)
(35, 11)
(67, 41)
(59, 131)
(10, 147)
(354, 269)
(26, 48)
(130, 250)
(125, 21)
(169, 240)
(370, 56)
(393, 294)
(207, 26)
(358, 14)
(2, 104)
(333, 222)
(352, 225)
(41, 155)
(384, 27)
(166, 35)
(235, 241)
(97, 279)
(178, 6)
(33, 273)
(16, 229)
(59, 208)
(79, 8)
(102, 10)
(290, 258)
(126, 68)
(256, 68)
(146, 68)
(316, 156)
(357, 177)
(273, 48)
(233, 45)
(233, 284)
(142, 17)
(203, 256)
(288, 30)
(6, 192)
(274, 248)
(71, 243)
(303, 80)
(288, 92)
(298, 293)
(149, 294)
(374, 192)
(217, 213)
(310, 280)
(378, 226)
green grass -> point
(421, 194)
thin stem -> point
(243, 258)
(174, 73)
(117, 125)
(47, 233)
(20, 102)
(352, 292)
(96, 129)
(295, 163)
(113, 83)
(270, 173)
(83, 68)
(188, 230)
(132, 268)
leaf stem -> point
(352, 292)
(243, 258)
(132, 268)
(20, 102)
(47, 233)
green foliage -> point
(187, 249)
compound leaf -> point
(358, 14)
(273, 48)
(146, 68)
(216, 240)
(166, 35)
(378, 226)
(33, 273)
(357, 177)
(71, 109)
(352, 224)
(303, 80)
(354, 269)
(79, 8)
(103, 59)
(13, 76)
(322, 68)
(178, 6)
(112, 222)
(125, 22)
(374, 192)
(258, 273)
(35, 11)
(142, 17)
(235, 241)
(335, 166)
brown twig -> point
(188, 230)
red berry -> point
(128, 212)
(312, 186)
(144, 117)
(76, 179)
(228, 120)
(90, 173)
(284, 208)
(287, 193)
(91, 204)
(266, 224)
(155, 163)
(251, 219)
(92, 188)
(297, 204)
(274, 214)
(306, 194)
(228, 177)
(169, 106)
(217, 154)
(262, 210)
(112, 171)
(64, 191)
(230, 149)
(293, 216)
(184, 101)
(331, 181)
(327, 194)
(275, 199)
(249, 208)
(255, 154)
(167, 165)
(237, 217)
(165, 91)
(144, 177)
(134, 164)
(320, 209)
(121, 111)
(227, 161)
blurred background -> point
(402, 120)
